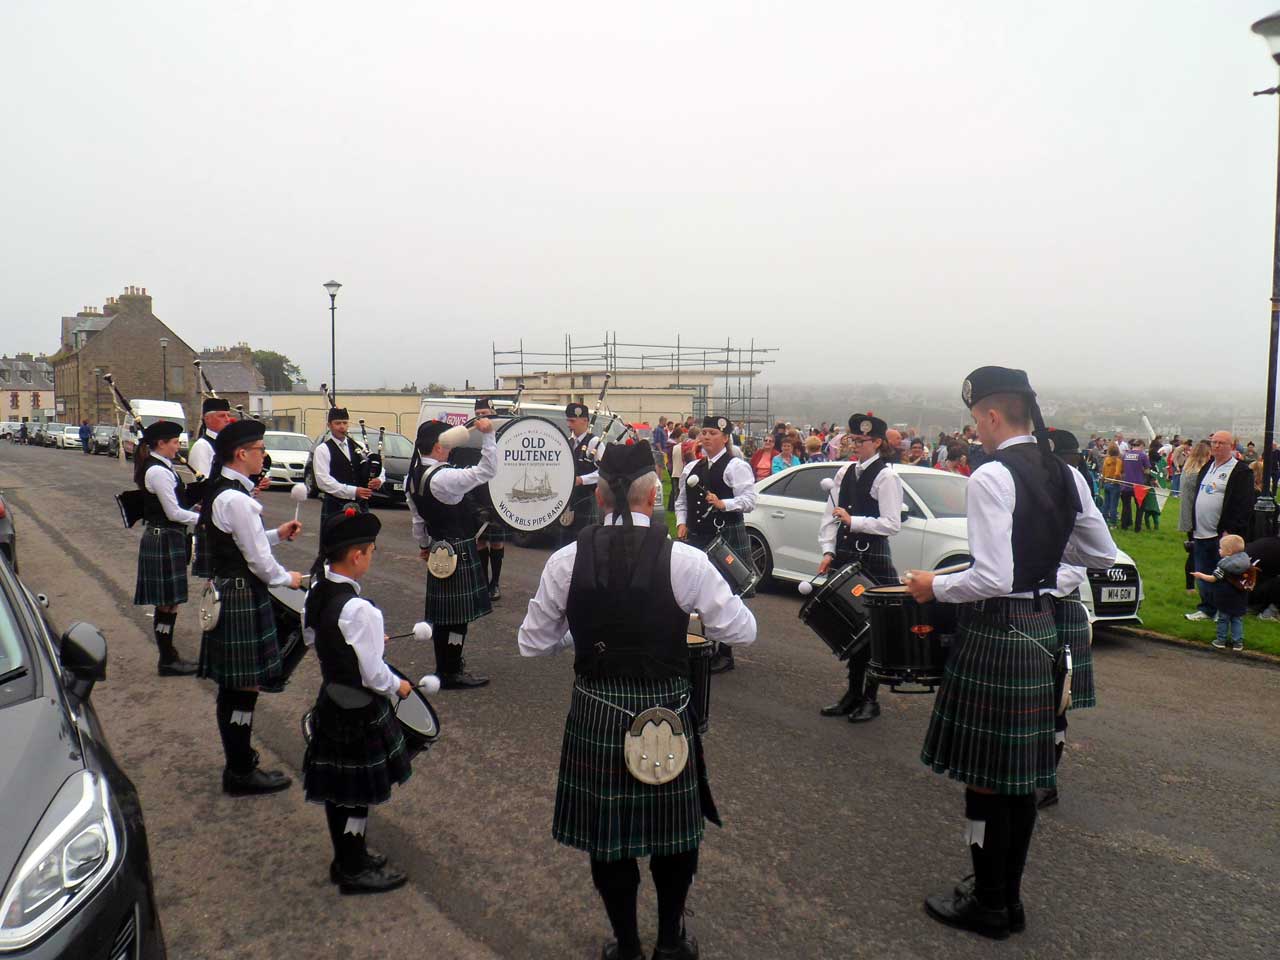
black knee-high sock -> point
(618, 882)
(448, 639)
(457, 639)
(350, 823)
(858, 672)
(163, 627)
(483, 554)
(336, 818)
(440, 641)
(989, 856)
(1057, 752)
(1022, 825)
(672, 877)
(223, 710)
(241, 757)
(495, 565)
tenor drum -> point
(417, 717)
(836, 611)
(701, 650)
(908, 639)
(286, 604)
(737, 571)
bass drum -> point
(535, 474)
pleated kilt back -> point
(354, 756)
(993, 716)
(1072, 621)
(600, 807)
(242, 651)
(162, 567)
(735, 535)
(463, 597)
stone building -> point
(26, 387)
(233, 378)
(123, 339)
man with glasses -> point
(1222, 499)
(862, 512)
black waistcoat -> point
(1046, 502)
(710, 480)
(338, 661)
(623, 616)
(225, 558)
(346, 465)
(444, 521)
(582, 462)
(152, 509)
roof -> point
(231, 376)
(40, 371)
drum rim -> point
(431, 711)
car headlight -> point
(73, 849)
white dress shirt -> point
(1070, 578)
(696, 585)
(737, 474)
(362, 627)
(990, 511)
(200, 457)
(242, 518)
(450, 484)
(163, 482)
(886, 488)
(593, 451)
(320, 466)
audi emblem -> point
(1115, 573)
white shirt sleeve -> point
(161, 482)
(699, 588)
(742, 481)
(200, 457)
(594, 452)
(320, 466)
(546, 626)
(452, 484)
(682, 497)
(420, 534)
(887, 491)
(240, 516)
(1069, 579)
(361, 625)
(829, 525)
(990, 512)
(1091, 544)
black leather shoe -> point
(495, 593)
(371, 880)
(687, 949)
(864, 711)
(843, 707)
(722, 662)
(462, 681)
(612, 951)
(966, 913)
(372, 860)
(177, 668)
(1017, 915)
(1047, 797)
(254, 782)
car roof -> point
(902, 469)
(285, 433)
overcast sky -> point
(885, 191)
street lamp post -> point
(333, 286)
(164, 368)
(97, 396)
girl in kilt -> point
(863, 510)
(165, 548)
(620, 598)
(436, 495)
(993, 719)
(357, 750)
(241, 652)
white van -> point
(455, 410)
(150, 411)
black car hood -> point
(396, 466)
(38, 752)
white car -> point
(288, 453)
(783, 530)
(70, 437)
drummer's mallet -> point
(299, 494)
(421, 631)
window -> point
(4, 376)
(807, 484)
(944, 494)
(25, 375)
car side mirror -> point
(84, 657)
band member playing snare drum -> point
(620, 598)
(863, 511)
(993, 719)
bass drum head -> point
(535, 474)
(417, 717)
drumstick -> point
(954, 568)
(299, 493)
(421, 631)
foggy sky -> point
(888, 192)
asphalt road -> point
(1166, 842)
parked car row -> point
(66, 436)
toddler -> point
(1233, 578)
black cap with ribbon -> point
(214, 405)
(338, 413)
(237, 434)
(723, 424)
(347, 528)
(867, 425)
(988, 381)
(161, 430)
(620, 466)
(575, 410)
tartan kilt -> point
(585, 514)
(1072, 621)
(993, 717)
(354, 755)
(462, 597)
(735, 535)
(162, 567)
(600, 807)
(876, 562)
(242, 651)
(496, 531)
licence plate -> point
(1119, 594)
(391, 485)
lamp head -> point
(1268, 28)
(333, 286)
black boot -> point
(844, 706)
(495, 572)
(457, 677)
(672, 877)
(1017, 914)
(983, 911)
(722, 662)
(170, 665)
(242, 776)
(869, 707)
(356, 874)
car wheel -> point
(760, 555)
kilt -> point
(330, 505)
(993, 717)
(876, 562)
(1073, 628)
(585, 514)
(496, 531)
(162, 567)
(600, 807)
(242, 651)
(735, 535)
(462, 597)
(354, 755)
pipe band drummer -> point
(241, 653)
(444, 524)
(491, 539)
(215, 414)
(724, 493)
(992, 726)
(620, 599)
(357, 750)
(863, 511)
(587, 448)
(165, 547)
(342, 472)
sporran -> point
(210, 606)
(656, 749)
(442, 560)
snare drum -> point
(286, 605)
(908, 639)
(417, 718)
(738, 572)
(701, 650)
(836, 611)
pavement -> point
(1166, 842)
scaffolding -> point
(734, 367)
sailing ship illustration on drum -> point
(525, 492)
